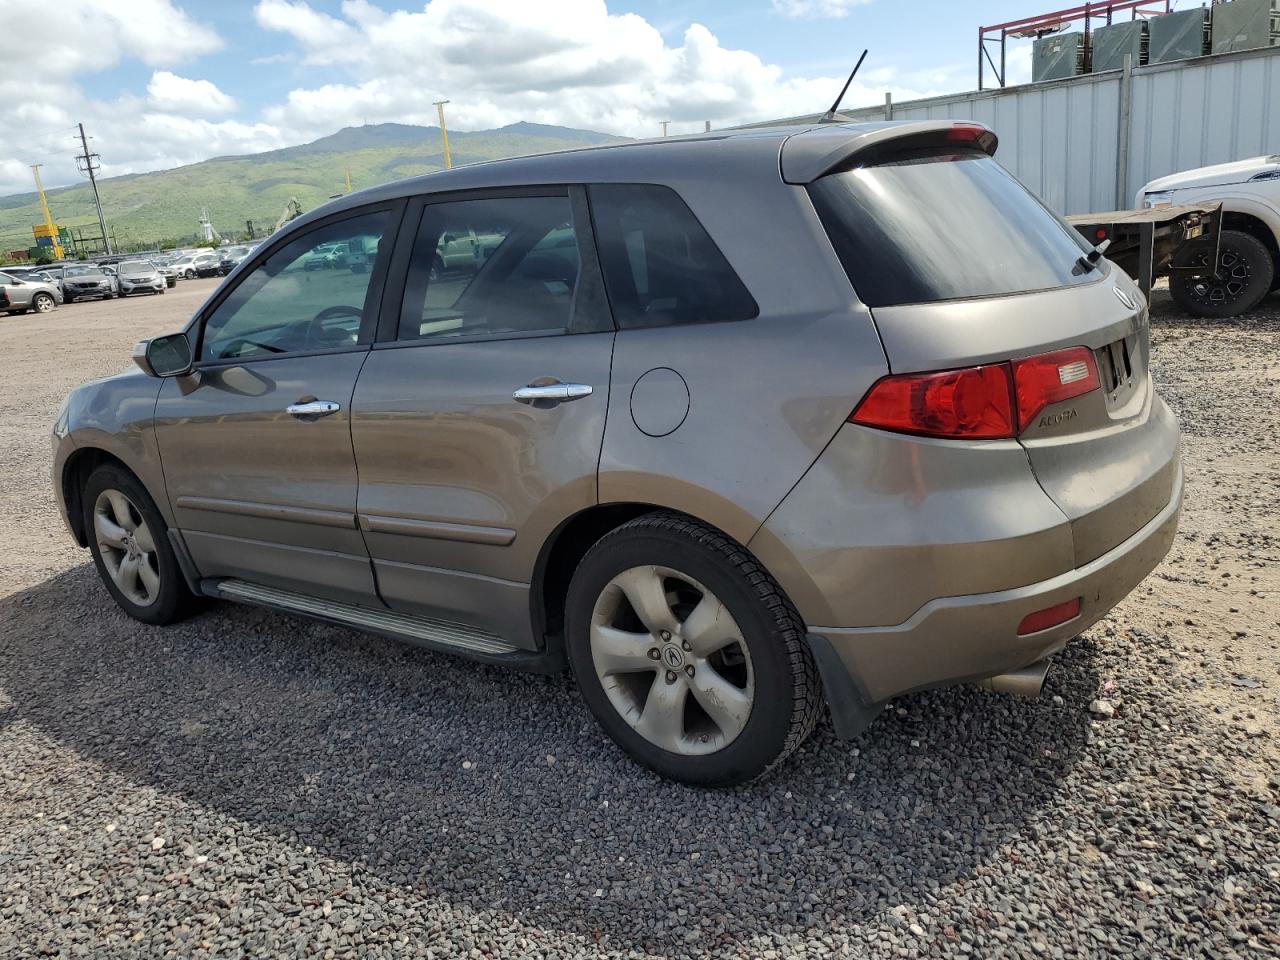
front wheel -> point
(189, 274)
(130, 545)
(688, 653)
(1244, 275)
(42, 302)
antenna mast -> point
(830, 116)
(88, 163)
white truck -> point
(1248, 266)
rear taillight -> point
(975, 403)
(990, 402)
(1052, 378)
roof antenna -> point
(831, 116)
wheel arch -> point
(1252, 224)
(75, 474)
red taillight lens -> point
(971, 404)
(965, 132)
(1051, 378)
(1049, 617)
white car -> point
(1249, 249)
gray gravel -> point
(249, 784)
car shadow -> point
(496, 790)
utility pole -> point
(444, 134)
(664, 126)
(87, 162)
(48, 217)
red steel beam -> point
(1069, 15)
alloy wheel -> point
(127, 547)
(44, 303)
(671, 660)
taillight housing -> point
(1052, 378)
(994, 401)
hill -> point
(147, 208)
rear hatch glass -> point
(944, 225)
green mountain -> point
(150, 208)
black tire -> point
(787, 698)
(67, 298)
(174, 600)
(189, 274)
(42, 303)
(1245, 273)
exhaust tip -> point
(1026, 682)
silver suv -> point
(733, 426)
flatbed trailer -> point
(1148, 244)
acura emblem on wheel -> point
(673, 657)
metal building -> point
(1088, 143)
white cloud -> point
(508, 60)
(815, 9)
(567, 62)
(170, 93)
(75, 36)
(45, 95)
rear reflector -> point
(1049, 617)
(1052, 378)
(975, 403)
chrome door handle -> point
(312, 409)
(554, 392)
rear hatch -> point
(962, 267)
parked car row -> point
(45, 287)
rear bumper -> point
(954, 639)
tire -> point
(749, 663)
(42, 303)
(1246, 270)
(67, 299)
(158, 598)
(189, 274)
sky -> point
(160, 83)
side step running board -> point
(437, 634)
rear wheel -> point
(1244, 275)
(688, 654)
(130, 545)
(42, 303)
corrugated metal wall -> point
(1064, 138)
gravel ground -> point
(249, 784)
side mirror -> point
(167, 356)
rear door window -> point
(944, 226)
(660, 265)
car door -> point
(256, 442)
(478, 417)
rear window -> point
(944, 226)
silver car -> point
(139, 276)
(22, 292)
(738, 428)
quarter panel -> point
(765, 397)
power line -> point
(87, 163)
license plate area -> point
(1121, 370)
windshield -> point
(135, 266)
(944, 226)
(83, 272)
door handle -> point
(312, 409)
(552, 392)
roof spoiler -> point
(822, 150)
